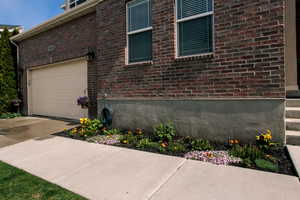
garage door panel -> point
(54, 90)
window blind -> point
(187, 8)
(195, 36)
(140, 46)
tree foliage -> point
(8, 88)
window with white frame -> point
(139, 31)
(74, 3)
(194, 27)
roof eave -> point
(67, 16)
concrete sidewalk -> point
(20, 129)
(295, 156)
(110, 173)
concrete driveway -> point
(101, 172)
(19, 129)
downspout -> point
(18, 64)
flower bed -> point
(263, 155)
(215, 157)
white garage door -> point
(53, 90)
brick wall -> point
(67, 41)
(248, 60)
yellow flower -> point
(257, 137)
(270, 137)
(74, 131)
(84, 121)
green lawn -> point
(16, 184)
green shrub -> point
(267, 165)
(8, 86)
(144, 143)
(155, 146)
(129, 139)
(91, 124)
(246, 152)
(94, 125)
(247, 162)
(147, 144)
(9, 115)
(113, 131)
(201, 145)
(164, 132)
(88, 128)
(176, 148)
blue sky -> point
(28, 13)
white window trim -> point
(128, 33)
(210, 13)
(140, 30)
(75, 3)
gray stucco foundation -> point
(216, 120)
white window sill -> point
(150, 62)
(195, 57)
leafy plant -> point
(201, 145)
(250, 152)
(9, 115)
(88, 128)
(264, 141)
(164, 132)
(247, 162)
(113, 131)
(267, 165)
(129, 139)
(92, 125)
(147, 144)
(144, 143)
(176, 147)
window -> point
(139, 31)
(194, 27)
(74, 3)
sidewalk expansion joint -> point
(166, 180)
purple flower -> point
(214, 157)
(83, 101)
(106, 139)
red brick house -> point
(218, 69)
